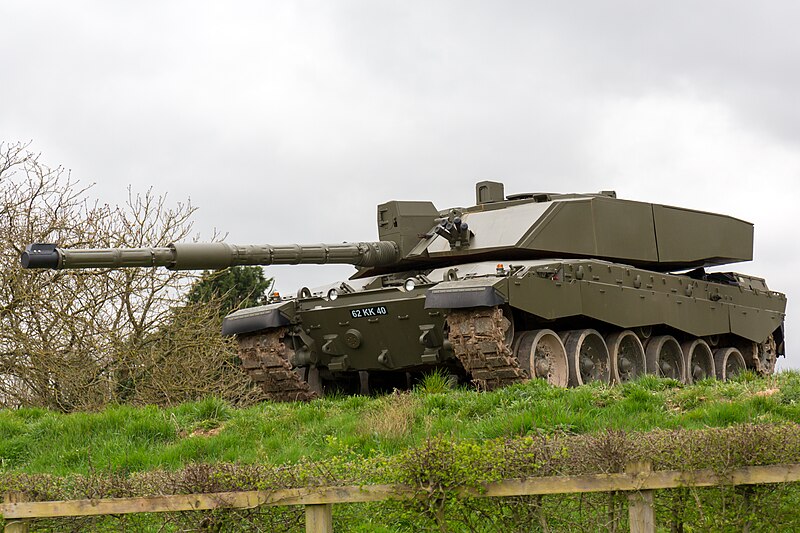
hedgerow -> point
(442, 465)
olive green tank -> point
(569, 288)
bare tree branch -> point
(76, 340)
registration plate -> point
(363, 312)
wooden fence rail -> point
(638, 481)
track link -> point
(478, 337)
(766, 357)
(265, 358)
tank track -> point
(478, 337)
(764, 357)
(265, 358)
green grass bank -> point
(433, 438)
(124, 439)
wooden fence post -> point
(640, 503)
(319, 518)
(12, 525)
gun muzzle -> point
(40, 256)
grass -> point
(125, 439)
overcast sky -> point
(289, 121)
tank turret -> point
(569, 288)
(542, 225)
(415, 235)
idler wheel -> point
(729, 362)
(542, 354)
(665, 357)
(699, 360)
(587, 355)
(627, 356)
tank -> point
(570, 288)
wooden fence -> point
(638, 481)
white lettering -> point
(369, 311)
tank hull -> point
(472, 321)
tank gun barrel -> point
(211, 256)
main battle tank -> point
(570, 288)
